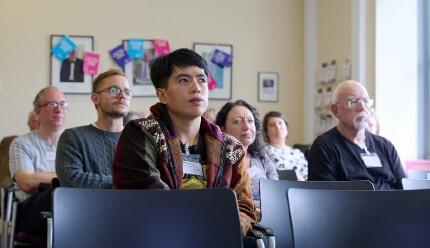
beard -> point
(361, 120)
(115, 114)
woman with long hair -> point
(240, 120)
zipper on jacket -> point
(221, 168)
(171, 165)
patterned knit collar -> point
(159, 111)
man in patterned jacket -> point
(177, 148)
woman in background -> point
(241, 120)
(275, 129)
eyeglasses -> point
(54, 105)
(352, 102)
(116, 91)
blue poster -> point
(221, 58)
(119, 55)
(63, 48)
(135, 48)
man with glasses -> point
(32, 159)
(350, 152)
(85, 154)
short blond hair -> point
(106, 74)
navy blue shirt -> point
(332, 157)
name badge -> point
(371, 160)
(50, 156)
(193, 168)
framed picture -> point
(222, 76)
(268, 86)
(68, 74)
(138, 70)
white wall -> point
(266, 36)
(396, 73)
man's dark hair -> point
(256, 148)
(269, 115)
(162, 67)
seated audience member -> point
(85, 154)
(348, 151)
(131, 115)
(210, 114)
(32, 160)
(175, 148)
(373, 122)
(33, 120)
(241, 120)
(275, 132)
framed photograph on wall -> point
(138, 70)
(221, 70)
(268, 86)
(67, 74)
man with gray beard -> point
(350, 152)
(85, 154)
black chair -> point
(415, 184)
(330, 218)
(303, 148)
(418, 174)
(274, 206)
(145, 218)
(287, 175)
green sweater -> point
(84, 157)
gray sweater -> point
(84, 157)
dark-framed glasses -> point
(114, 91)
(352, 102)
(54, 105)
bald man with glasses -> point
(350, 152)
(85, 154)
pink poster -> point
(161, 47)
(211, 82)
(91, 62)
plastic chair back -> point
(330, 218)
(274, 205)
(145, 218)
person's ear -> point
(161, 94)
(334, 109)
(95, 98)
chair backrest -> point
(419, 173)
(303, 148)
(145, 218)
(287, 175)
(5, 178)
(274, 206)
(415, 184)
(330, 218)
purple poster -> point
(119, 55)
(221, 58)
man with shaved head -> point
(350, 152)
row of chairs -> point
(123, 218)
(302, 218)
